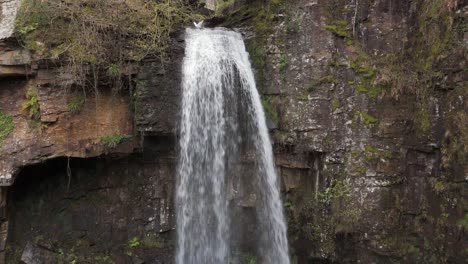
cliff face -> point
(364, 132)
(367, 108)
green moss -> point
(368, 119)
(361, 69)
(340, 28)
(371, 152)
(32, 104)
(375, 91)
(361, 87)
(335, 104)
(422, 119)
(6, 125)
(114, 140)
(439, 186)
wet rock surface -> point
(367, 175)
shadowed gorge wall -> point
(115, 211)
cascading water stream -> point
(222, 120)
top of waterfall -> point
(199, 25)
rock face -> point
(114, 210)
(59, 131)
(367, 107)
(365, 171)
(8, 10)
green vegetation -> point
(283, 63)
(262, 15)
(314, 84)
(32, 104)
(368, 119)
(222, 5)
(422, 120)
(134, 242)
(60, 254)
(113, 70)
(75, 104)
(6, 125)
(337, 190)
(367, 76)
(99, 35)
(340, 29)
(270, 110)
(330, 213)
(329, 79)
(335, 104)
(114, 140)
(361, 69)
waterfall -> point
(223, 121)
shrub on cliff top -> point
(99, 33)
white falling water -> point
(222, 118)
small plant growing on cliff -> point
(75, 105)
(6, 125)
(32, 104)
(338, 189)
(368, 119)
(341, 29)
(134, 242)
(284, 62)
(114, 140)
(113, 70)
